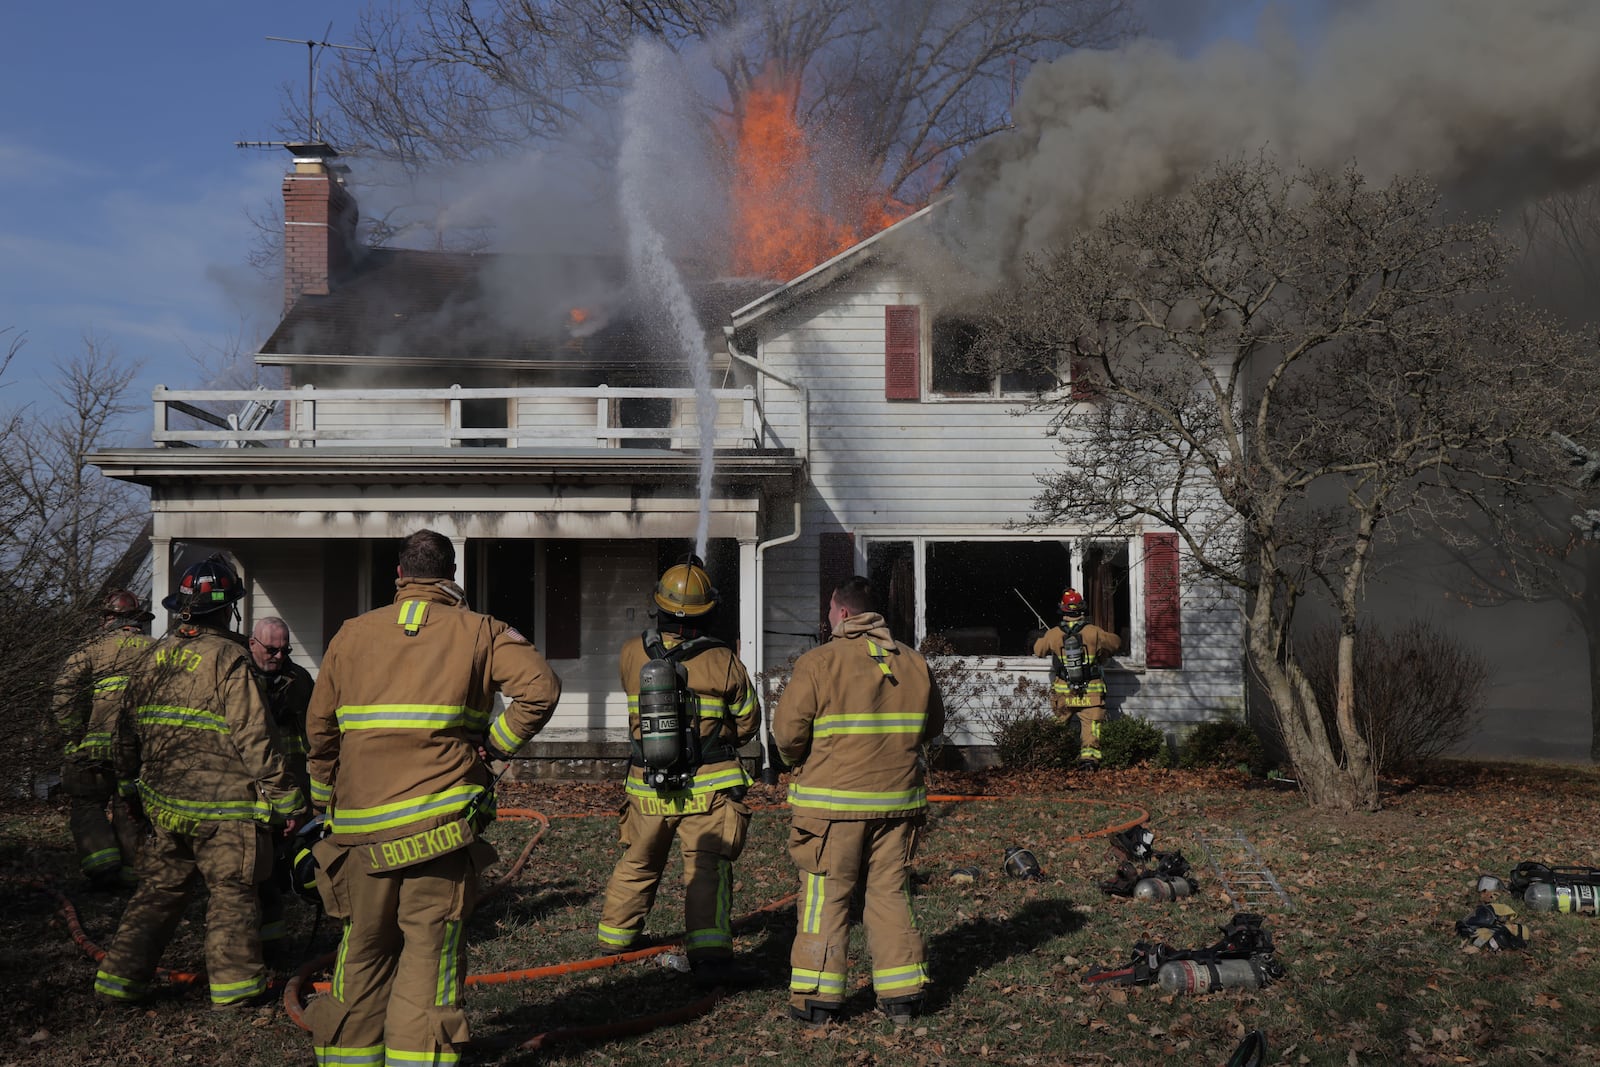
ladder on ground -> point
(1243, 875)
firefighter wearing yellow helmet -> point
(1078, 650)
(690, 708)
(88, 710)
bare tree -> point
(899, 89)
(1286, 368)
(63, 527)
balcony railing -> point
(532, 417)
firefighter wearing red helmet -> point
(88, 705)
(198, 749)
(1078, 650)
(685, 781)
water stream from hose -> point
(654, 272)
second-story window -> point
(959, 368)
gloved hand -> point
(494, 759)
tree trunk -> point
(1325, 782)
(1589, 616)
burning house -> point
(562, 459)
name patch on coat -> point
(419, 847)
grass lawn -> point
(1375, 971)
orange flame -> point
(578, 316)
(785, 220)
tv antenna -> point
(314, 50)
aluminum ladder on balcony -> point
(1240, 870)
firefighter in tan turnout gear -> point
(211, 777)
(1078, 650)
(88, 707)
(401, 725)
(690, 707)
(855, 715)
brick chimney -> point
(319, 223)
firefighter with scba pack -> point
(88, 710)
(403, 731)
(197, 744)
(690, 708)
(1078, 650)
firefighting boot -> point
(815, 1013)
(901, 1010)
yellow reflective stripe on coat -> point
(451, 801)
(171, 715)
(856, 800)
(321, 793)
(500, 733)
(402, 717)
(704, 783)
(98, 745)
(835, 724)
(178, 814)
(114, 683)
(880, 657)
(412, 614)
(709, 707)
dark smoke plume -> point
(1497, 100)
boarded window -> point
(563, 604)
(1163, 632)
(902, 362)
(836, 561)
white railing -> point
(534, 417)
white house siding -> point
(285, 579)
(545, 417)
(950, 469)
(408, 420)
(618, 577)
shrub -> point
(1127, 742)
(1036, 742)
(1417, 691)
(1222, 743)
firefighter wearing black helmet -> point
(198, 749)
(685, 781)
(1078, 650)
(88, 705)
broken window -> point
(958, 368)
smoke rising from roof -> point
(1498, 102)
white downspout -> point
(769, 767)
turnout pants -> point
(710, 840)
(396, 994)
(107, 848)
(834, 857)
(230, 856)
(1090, 708)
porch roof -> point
(755, 468)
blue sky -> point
(124, 214)
(125, 207)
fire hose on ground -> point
(296, 985)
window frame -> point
(1132, 656)
(997, 392)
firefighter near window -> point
(197, 750)
(402, 732)
(88, 708)
(1078, 650)
(853, 720)
(690, 708)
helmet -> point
(685, 589)
(1071, 602)
(125, 606)
(208, 586)
(303, 868)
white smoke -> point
(1498, 100)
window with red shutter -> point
(836, 561)
(902, 356)
(1163, 631)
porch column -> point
(160, 582)
(460, 546)
(749, 609)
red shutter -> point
(1163, 638)
(563, 604)
(836, 561)
(902, 354)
